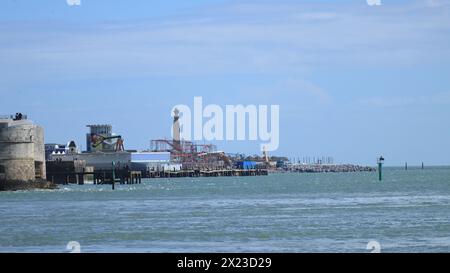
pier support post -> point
(113, 174)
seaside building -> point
(136, 161)
(105, 153)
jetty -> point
(75, 172)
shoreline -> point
(16, 185)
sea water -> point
(409, 211)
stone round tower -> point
(22, 154)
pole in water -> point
(423, 166)
(406, 166)
(113, 175)
(380, 162)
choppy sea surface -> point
(407, 212)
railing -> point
(14, 117)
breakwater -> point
(325, 168)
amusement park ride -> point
(192, 154)
(98, 140)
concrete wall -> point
(39, 151)
(99, 160)
(103, 161)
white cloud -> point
(239, 39)
(442, 98)
(437, 3)
(304, 87)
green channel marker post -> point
(380, 162)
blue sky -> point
(353, 81)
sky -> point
(353, 81)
